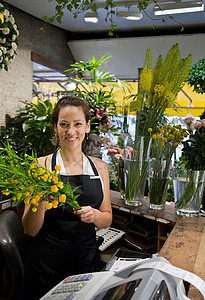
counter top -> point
(185, 246)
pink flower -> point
(105, 142)
(203, 122)
(118, 156)
(188, 120)
(129, 151)
(100, 113)
(112, 151)
(198, 124)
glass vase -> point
(188, 190)
(121, 179)
(159, 172)
(136, 159)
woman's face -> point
(72, 127)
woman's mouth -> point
(71, 140)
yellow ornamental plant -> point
(27, 182)
(165, 142)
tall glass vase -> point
(188, 190)
(136, 159)
(159, 172)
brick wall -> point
(16, 84)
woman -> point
(65, 239)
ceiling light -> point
(178, 8)
(91, 17)
(129, 15)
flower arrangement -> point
(158, 90)
(159, 87)
(165, 142)
(188, 173)
(27, 182)
(8, 37)
(193, 152)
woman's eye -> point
(78, 124)
(63, 125)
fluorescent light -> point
(91, 17)
(178, 8)
(130, 15)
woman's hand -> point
(86, 214)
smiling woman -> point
(65, 238)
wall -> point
(128, 54)
(16, 84)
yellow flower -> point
(54, 189)
(26, 200)
(32, 166)
(60, 185)
(54, 178)
(54, 203)
(57, 167)
(40, 171)
(34, 209)
(48, 205)
(62, 198)
(161, 143)
(45, 177)
(154, 136)
(149, 129)
(175, 145)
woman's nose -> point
(70, 130)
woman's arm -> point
(33, 221)
(101, 217)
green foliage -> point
(30, 129)
(197, 76)
(91, 85)
(76, 7)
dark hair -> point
(72, 101)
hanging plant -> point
(8, 37)
(197, 77)
(76, 7)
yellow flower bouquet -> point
(26, 181)
(165, 141)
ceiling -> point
(148, 25)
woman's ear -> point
(87, 130)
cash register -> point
(146, 279)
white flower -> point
(11, 52)
(13, 46)
(7, 54)
(12, 20)
(3, 49)
(3, 41)
(6, 13)
(6, 30)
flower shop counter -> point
(183, 245)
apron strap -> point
(93, 166)
(53, 161)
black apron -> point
(65, 245)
